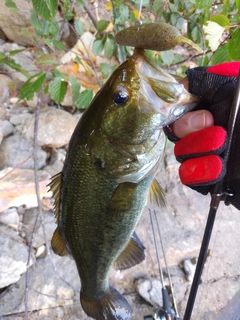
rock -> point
(189, 267)
(13, 258)
(17, 187)
(19, 119)
(41, 251)
(46, 289)
(7, 88)
(150, 290)
(6, 128)
(55, 128)
(13, 24)
(54, 168)
(17, 150)
(24, 59)
(29, 221)
(1, 137)
(10, 217)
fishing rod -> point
(166, 312)
(219, 194)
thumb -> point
(191, 122)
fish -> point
(109, 175)
(157, 36)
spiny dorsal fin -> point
(57, 244)
(156, 194)
(55, 187)
(132, 254)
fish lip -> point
(149, 101)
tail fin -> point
(111, 306)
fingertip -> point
(191, 122)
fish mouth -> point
(160, 92)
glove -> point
(200, 152)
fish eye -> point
(120, 96)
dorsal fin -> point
(132, 254)
(156, 194)
(55, 187)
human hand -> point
(201, 143)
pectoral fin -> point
(156, 194)
(132, 254)
(123, 199)
(57, 244)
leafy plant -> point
(213, 26)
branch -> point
(90, 13)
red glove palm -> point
(200, 152)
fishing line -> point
(139, 21)
(157, 249)
(166, 311)
(166, 264)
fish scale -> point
(108, 176)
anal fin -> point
(57, 244)
(132, 254)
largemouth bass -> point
(108, 176)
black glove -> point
(200, 152)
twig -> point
(35, 148)
(17, 166)
(90, 13)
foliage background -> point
(213, 25)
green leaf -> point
(46, 9)
(69, 15)
(204, 4)
(53, 6)
(75, 88)
(78, 27)
(221, 55)
(80, 3)
(57, 89)
(36, 23)
(167, 57)
(84, 99)
(106, 69)
(11, 5)
(58, 44)
(238, 5)
(110, 46)
(15, 66)
(14, 52)
(226, 5)
(53, 29)
(221, 19)
(102, 25)
(31, 86)
(2, 56)
(196, 34)
(234, 45)
(46, 59)
(98, 45)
